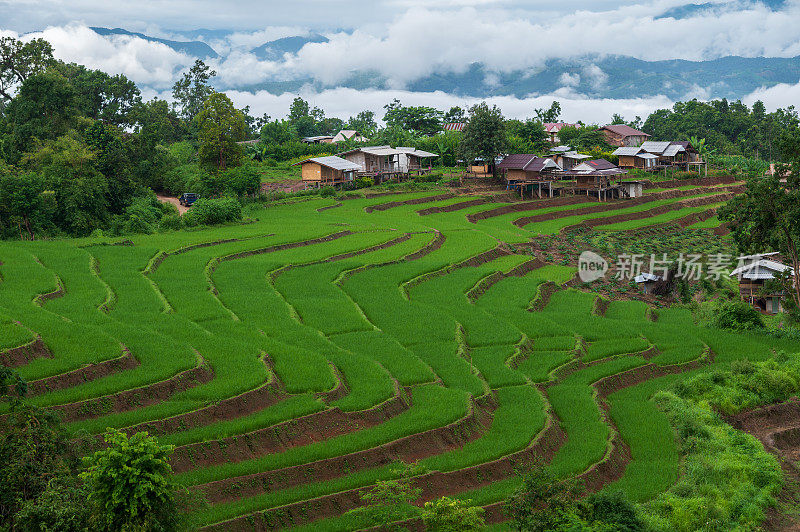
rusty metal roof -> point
(624, 130)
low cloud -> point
(343, 103)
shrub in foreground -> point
(210, 211)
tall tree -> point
(20, 60)
(364, 123)
(130, 486)
(219, 127)
(423, 120)
(550, 114)
(484, 134)
(101, 96)
(192, 90)
(767, 218)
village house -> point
(349, 134)
(635, 157)
(327, 171)
(413, 160)
(568, 160)
(754, 272)
(552, 129)
(527, 172)
(319, 139)
(623, 135)
(594, 178)
(374, 159)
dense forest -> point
(81, 151)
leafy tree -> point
(276, 132)
(34, 450)
(191, 91)
(220, 126)
(61, 507)
(617, 119)
(101, 96)
(550, 114)
(484, 134)
(20, 200)
(423, 120)
(452, 515)
(129, 484)
(544, 502)
(44, 108)
(767, 217)
(455, 114)
(20, 60)
(364, 123)
(389, 500)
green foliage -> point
(20, 60)
(211, 211)
(544, 502)
(421, 120)
(766, 218)
(61, 507)
(219, 127)
(730, 127)
(191, 91)
(389, 500)
(729, 479)
(735, 315)
(745, 385)
(484, 135)
(584, 138)
(452, 515)
(33, 452)
(129, 484)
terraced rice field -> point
(299, 358)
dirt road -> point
(174, 201)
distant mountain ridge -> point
(593, 76)
(194, 48)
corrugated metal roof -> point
(332, 161)
(626, 150)
(601, 164)
(560, 149)
(761, 269)
(575, 155)
(673, 150)
(416, 152)
(646, 156)
(537, 164)
(646, 277)
(454, 126)
(624, 130)
(656, 147)
(555, 127)
(516, 161)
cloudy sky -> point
(402, 40)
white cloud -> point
(144, 62)
(344, 103)
(570, 80)
(779, 96)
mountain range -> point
(595, 76)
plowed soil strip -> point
(297, 432)
(408, 449)
(455, 206)
(291, 245)
(620, 204)
(87, 373)
(527, 206)
(135, 398)
(656, 211)
(416, 201)
(22, 355)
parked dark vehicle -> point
(188, 198)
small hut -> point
(327, 171)
(623, 135)
(754, 271)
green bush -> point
(736, 315)
(212, 211)
(429, 178)
(171, 221)
(327, 192)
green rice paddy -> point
(426, 338)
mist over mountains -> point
(614, 76)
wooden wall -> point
(311, 171)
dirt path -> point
(777, 427)
(169, 199)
